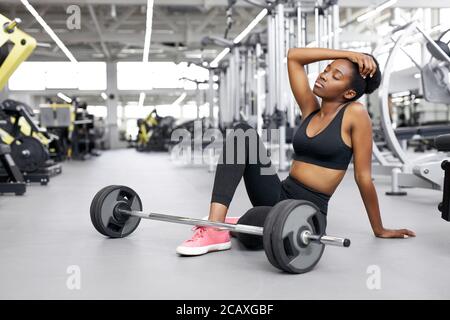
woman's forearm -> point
(309, 55)
(370, 199)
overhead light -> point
(251, 26)
(49, 30)
(113, 11)
(377, 10)
(64, 97)
(141, 99)
(215, 62)
(43, 45)
(401, 94)
(205, 64)
(417, 75)
(104, 96)
(180, 99)
(148, 30)
(193, 55)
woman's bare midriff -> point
(318, 178)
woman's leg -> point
(256, 216)
(243, 156)
(292, 189)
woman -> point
(331, 133)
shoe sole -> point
(197, 251)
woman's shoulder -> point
(356, 108)
(357, 112)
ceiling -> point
(114, 30)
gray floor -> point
(48, 230)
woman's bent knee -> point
(254, 217)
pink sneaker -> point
(204, 240)
(230, 220)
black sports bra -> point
(325, 149)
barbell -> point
(293, 234)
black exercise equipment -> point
(293, 234)
(57, 120)
(442, 143)
(13, 182)
(444, 206)
(83, 137)
(29, 153)
(443, 45)
(154, 132)
(13, 111)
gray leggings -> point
(262, 183)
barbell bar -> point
(306, 236)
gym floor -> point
(48, 230)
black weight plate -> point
(290, 255)
(92, 209)
(277, 216)
(28, 153)
(104, 206)
(281, 207)
(268, 229)
(102, 214)
(297, 216)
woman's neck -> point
(329, 107)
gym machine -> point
(269, 91)
(29, 143)
(442, 143)
(82, 137)
(422, 172)
(154, 132)
(58, 119)
(15, 47)
(293, 234)
(287, 24)
(13, 181)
